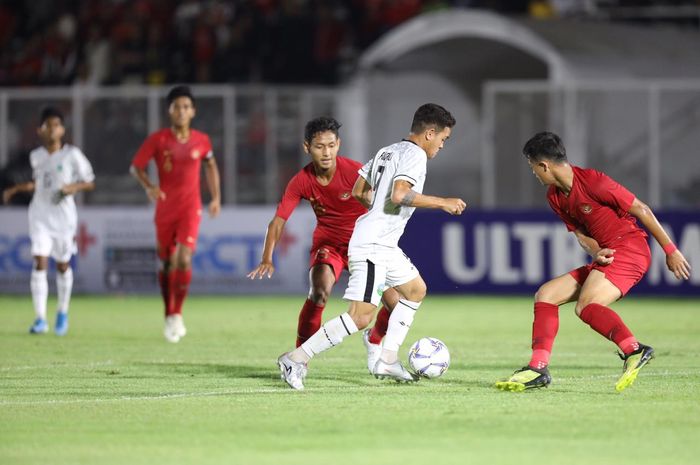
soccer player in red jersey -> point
(178, 152)
(327, 184)
(603, 215)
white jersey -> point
(50, 211)
(384, 222)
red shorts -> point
(632, 260)
(336, 257)
(178, 230)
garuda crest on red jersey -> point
(586, 209)
(344, 195)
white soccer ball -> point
(429, 357)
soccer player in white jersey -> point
(390, 185)
(59, 171)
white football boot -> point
(383, 370)
(172, 331)
(180, 326)
(293, 373)
(373, 351)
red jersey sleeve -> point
(291, 197)
(607, 191)
(209, 151)
(571, 223)
(145, 152)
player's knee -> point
(184, 262)
(420, 291)
(362, 321)
(41, 263)
(62, 267)
(362, 315)
(549, 292)
(543, 294)
(582, 303)
(319, 295)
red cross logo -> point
(285, 242)
(84, 239)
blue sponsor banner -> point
(515, 251)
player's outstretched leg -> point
(400, 320)
(291, 372)
(526, 378)
(373, 350)
(179, 285)
(309, 321)
(633, 363)
(64, 287)
(40, 292)
(164, 283)
(380, 327)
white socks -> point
(40, 292)
(330, 335)
(399, 323)
(64, 286)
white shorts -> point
(60, 247)
(375, 268)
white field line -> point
(280, 390)
(60, 366)
(643, 374)
(284, 390)
(57, 366)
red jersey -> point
(179, 164)
(597, 205)
(334, 227)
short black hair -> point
(50, 112)
(545, 145)
(431, 114)
(320, 124)
(179, 91)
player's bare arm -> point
(10, 192)
(154, 193)
(362, 192)
(211, 172)
(603, 256)
(403, 194)
(272, 237)
(74, 188)
(675, 261)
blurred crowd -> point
(57, 42)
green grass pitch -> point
(113, 391)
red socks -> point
(179, 285)
(599, 317)
(608, 324)
(164, 282)
(309, 321)
(380, 326)
(544, 330)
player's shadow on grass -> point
(225, 370)
(270, 377)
